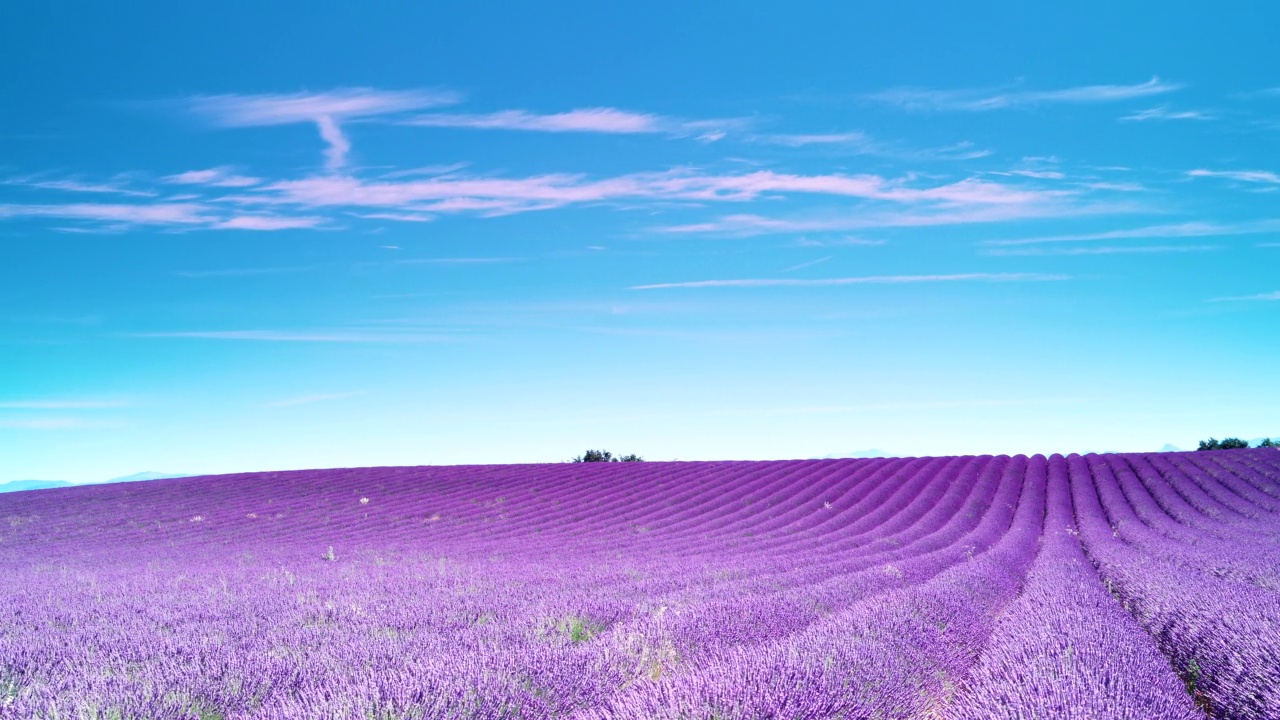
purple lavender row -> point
(1220, 635)
(697, 626)
(1139, 520)
(1065, 648)
(1184, 498)
(896, 656)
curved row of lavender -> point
(1116, 586)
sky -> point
(244, 236)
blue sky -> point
(239, 238)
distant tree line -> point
(1235, 444)
(606, 456)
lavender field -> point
(1103, 586)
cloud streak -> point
(1249, 176)
(590, 120)
(327, 110)
(1103, 250)
(114, 217)
(499, 196)
(286, 109)
(1188, 229)
(77, 186)
(221, 177)
(1164, 113)
(1265, 297)
(862, 280)
(985, 100)
(862, 144)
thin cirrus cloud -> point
(861, 280)
(1164, 113)
(749, 224)
(131, 214)
(113, 217)
(1101, 250)
(326, 110)
(604, 120)
(496, 196)
(213, 177)
(1188, 229)
(77, 186)
(808, 264)
(267, 223)
(988, 99)
(860, 143)
(1270, 296)
(1249, 176)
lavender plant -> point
(1120, 586)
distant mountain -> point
(17, 485)
(872, 453)
(137, 477)
(1169, 447)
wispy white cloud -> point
(1269, 296)
(327, 110)
(213, 177)
(336, 154)
(1114, 186)
(811, 263)
(986, 99)
(132, 214)
(267, 223)
(289, 108)
(116, 217)
(863, 280)
(748, 224)
(1250, 176)
(77, 186)
(1189, 229)
(862, 144)
(591, 120)
(396, 216)
(309, 399)
(854, 139)
(496, 196)
(1035, 174)
(1164, 113)
(1103, 250)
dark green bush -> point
(606, 456)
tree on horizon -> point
(606, 456)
